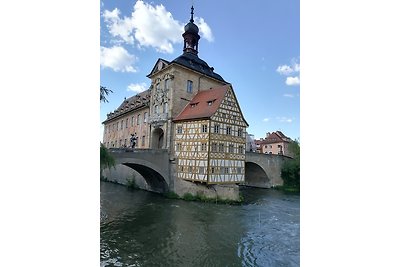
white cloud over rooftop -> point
(117, 58)
(151, 26)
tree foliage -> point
(104, 91)
(106, 159)
(290, 171)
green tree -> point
(290, 171)
(106, 159)
(103, 93)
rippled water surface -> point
(140, 228)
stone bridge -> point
(157, 168)
(263, 170)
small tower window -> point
(189, 88)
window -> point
(240, 132)
(226, 170)
(138, 119)
(122, 124)
(231, 147)
(190, 169)
(204, 128)
(178, 147)
(125, 142)
(201, 170)
(216, 128)
(204, 147)
(117, 125)
(189, 88)
(145, 117)
(126, 124)
(214, 147)
(228, 130)
(239, 170)
(165, 107)
(240, 148)
(120, 142)
(156, 109)
(132, 120)
(167, 82)
(143, 140)
(179, 130)
(221, 147)
(212, 170)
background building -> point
(274, 143)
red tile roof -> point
(199, 106)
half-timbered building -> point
(210, 138)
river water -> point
(140, 228)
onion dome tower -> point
(191, 37)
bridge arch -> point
(152, 165)
(256, 176)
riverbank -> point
(288, 189)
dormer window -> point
(209, 102)
(192, 105)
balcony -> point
(158, 119)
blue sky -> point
(254, 45)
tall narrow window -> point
(165, 107)
(122, 124)
(228, 130)
(189, 88)
(231, 146)
(167, 82)
(179, 129)
(126, 124)
(214, 147)
(240, 132)
(216, 128)
(145, 117)
(132, 120)
(240, 149)
(138, 119)
(204, 147)
(221, 147)
(143, 140)
(204, 128)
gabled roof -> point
(160, 64)
(204, 104)
(276, 137)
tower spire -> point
(191, 36)
(191, 18)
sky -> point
(254, 45)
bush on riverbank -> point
(290, 171)
(106, 160)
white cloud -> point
(287, 70)
(137, 87)
(155, 27)
(117, 58)
(150, 26)
(284, 70)
(117, 27)
(266, 119)
(288, 95)
(204, 29)
(292, 80)
(284, 119)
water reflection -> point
(139, 228)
